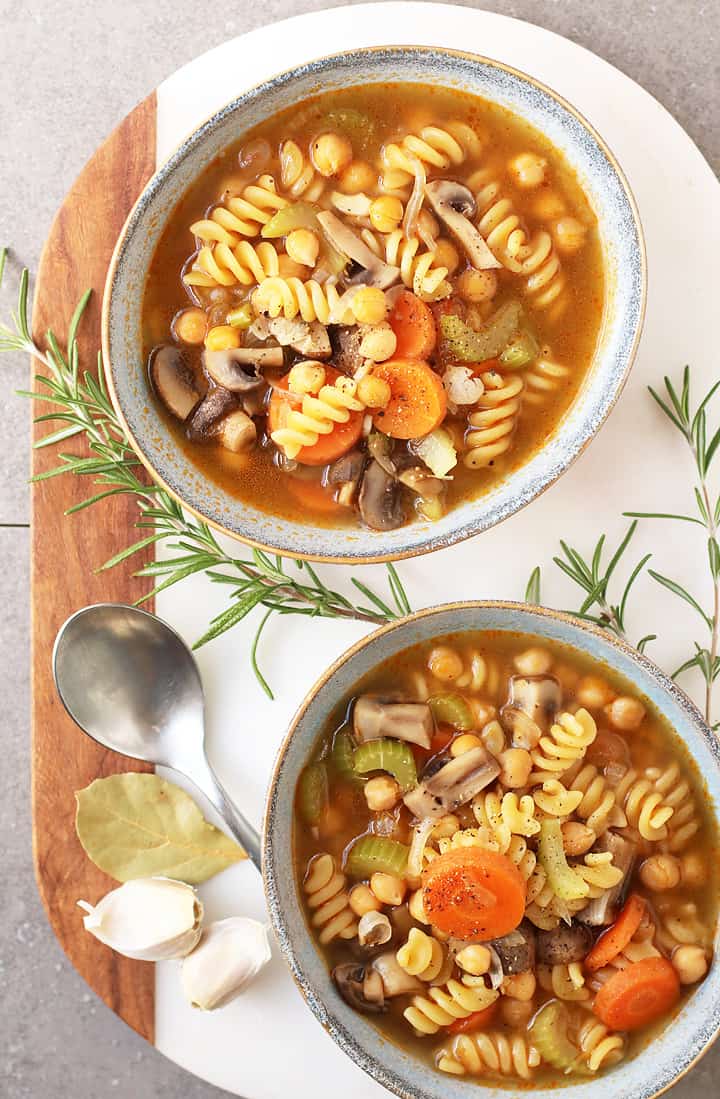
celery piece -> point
(564, 882)
(522, 351)
(242, 317)
(548, 1033)
(358, 126)
(313, 793)
(451, 709)
(376, 853)
(388, 755)
(341, 756)
(465, 345)
(437, 451)
(300, 215)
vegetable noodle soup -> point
(508, 859)
(375, 306)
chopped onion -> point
(417, 197)
(421, 834)
(495, 972)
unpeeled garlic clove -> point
(229, 955)
(151, 919)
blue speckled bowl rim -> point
(278, 868)
(489, 513)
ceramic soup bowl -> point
(645, 1075)
(625, 295)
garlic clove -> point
(229, 955)
(150, 919)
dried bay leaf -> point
(135, 825)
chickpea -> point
(626, 714)
(594, 692)
(475, 959)
(528, 169)
(477, 286)
(289, 268)
(447, 255)
(358, 176)
(303, 246)
(386, 213)
(577, 838)
(363, 900)
(373, 392)
(516, 1013)
(381, 793)
(569, 234)
(416, 908)
(190, 326)
(516, 766)
(446, 826)
(306, 377)
(242, 317)
(445, 663)
(533, 661)
(690, 964)
(331, 154)
(519, 986)
(222, 338)
(660, 872)
(388, 888)
(693, 870)
(548, 206)
(378, 344)
(465, 743)
(369, 305)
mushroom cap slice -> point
(375, 272)
(603, 909)
(174, 380)
(564, 945)
(237, 369)
(216, 404)
(455, 205)
(516, 950)
(374, 718)
(396, 982)
(360, 986)
(380, 502)
(453, 784)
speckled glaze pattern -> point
(623, 249)
(658, 1066)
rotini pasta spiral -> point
(417, 268)
(487, 1051)
(481, 674)
(289, 297)
(443, 1006)
(543, 378)
(541, 266)
(567, 741)
(680, 926)
(421, 956)
(318, 416)
(327, 899)
(644, 806)
(675, 791)
(600, 1047)
(434, 147)
(597, 800)
(491, 426)
(241, 215)
(297, 176)
(567, 982)
(225, 265)
(555, 800)
(599, 873)
(505, 816)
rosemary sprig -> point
(80, 404)
(593, 577)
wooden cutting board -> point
(65, 553)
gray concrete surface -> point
(69, 71)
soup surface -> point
(508, 859)
(376, 305)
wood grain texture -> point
(65, 553)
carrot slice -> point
(414, 326)
(474, 894)
(476, 1021)
(613, 941)
(417, 399)
(313, 495)
(638, 995)
(484, 367)
(328, 447)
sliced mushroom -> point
(238, 368)
(380, 447)
(360, 987)
(409, 721)
(380, 501)
(374, 271)
(517, 950)
(347, 468)
(346, 341)
(563, 944)
(209, 412)
(604, 908)
(396, 982)
(315, 344)
(454, 204)
(310, 340)
(174, 380)
(453, 785)
(538, 696)
(355, 206)
(237, 432)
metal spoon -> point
(131, 683)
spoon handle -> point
(245, 833)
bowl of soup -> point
(491, 859)
(375, 305)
